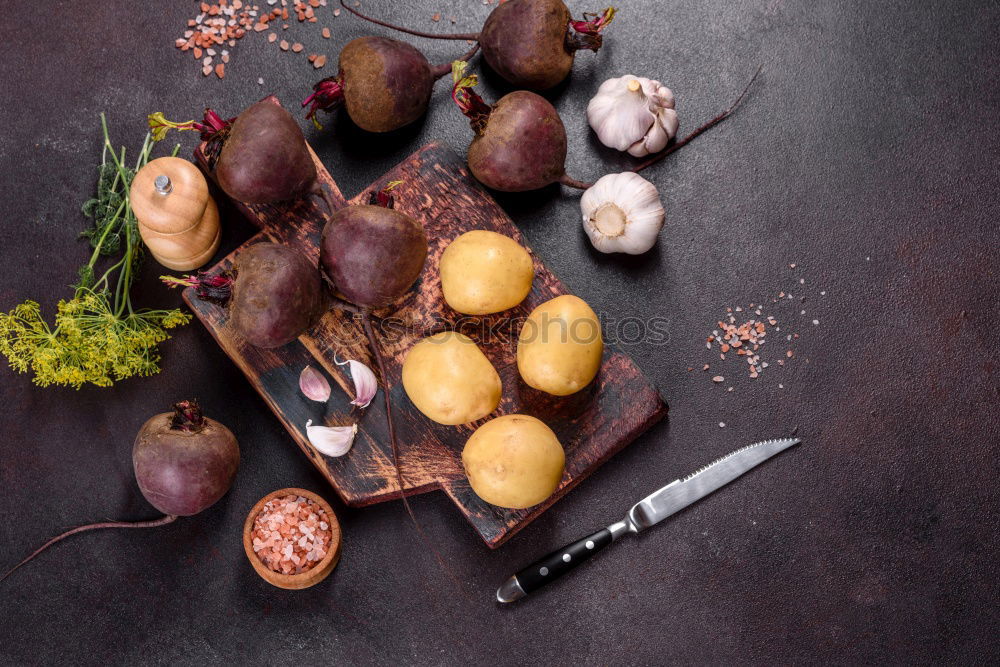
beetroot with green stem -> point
(530, 43)
(520, 141)
(384, 84)
(259, 157)
(184, 463)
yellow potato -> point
(484, 272)
(513, 461)
(450, 380)
(560, 346)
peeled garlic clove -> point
(365, 384)
(622, 213)
(633, 114)
(331, 440)
(314, 385)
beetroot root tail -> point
(707, 126)
(571, 182)
(162, 521)
(474, 36)
(394, 444)
(322, 193)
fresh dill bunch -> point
(97, 336)
(89, 342)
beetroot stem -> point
(213, 126)
(438, 71)
(377, 353)
(416, 33)
(328, 94)
(215, 289)
(162, 521)
(467, 99)
(187, 417)
(707, 126)
(586, 34)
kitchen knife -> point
(649, 511)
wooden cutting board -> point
(438, 191)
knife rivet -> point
(566, 558)
(590, 544)
(544, 571)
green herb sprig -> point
(97, 337)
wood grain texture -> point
(438, 191)
(180, 228)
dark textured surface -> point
(866, 155)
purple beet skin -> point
(276, 296)
(387, 83)
(372, 254)
(522, 146)
(530, 43)
(264, 157)
(184, 462)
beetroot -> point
(371, 253)
(183, 462)
(277, 295)
(520, 141)
(530, 43)
(383, 83)
(522, 145)
(273, 293)
(259, 157)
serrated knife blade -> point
(649, 511)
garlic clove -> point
(622, 213)
(365, 384)
(658, 135)
(669, 122)
(662, 96)
(331, 440)
(314, 385)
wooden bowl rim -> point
(318, 571)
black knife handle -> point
(561, 561)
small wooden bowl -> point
(310, 577)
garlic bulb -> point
(622, 213)
(633, 114)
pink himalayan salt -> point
(291, 534)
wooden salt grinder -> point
(178, 219)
